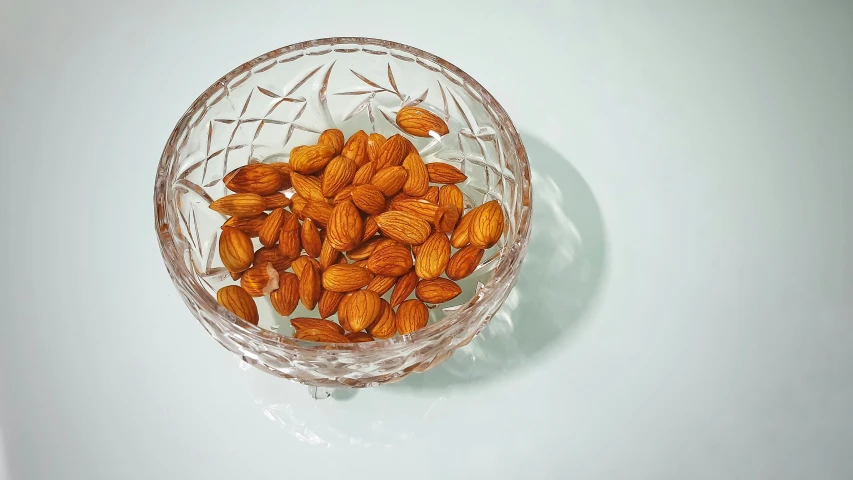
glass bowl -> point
(262, 109)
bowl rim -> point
(172, 254)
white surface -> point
(716, 140)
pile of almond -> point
(365, 218)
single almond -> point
(309, 286)
(240, 205)
(320, 335)
(403, 227)
(437, 290)
(374, 142)
(298, 265)
(329, 303)
(285, 299)
(431, 195)
(328, 255)
(235, 249)
(345, 227)
(404, 287)
(459, 237)
(391, 261)
(420, 122)
(310, 159)
(446, 219)
(358, 337)
(392, 152)
(369, 199)
(464, 262)
(289, 243)
(433, 256)
(260, 280)
(344, 195)
(318, 211)
(412, 315)
(345, 278)
(338, 174)
(332, 138)
(270, 229)
(301, 323)
(390, 180)
(276, 200)
(297, 203)
(239, 302)
(254, 178)
(444, 173)
(363, 251)
(487, 225)
(282, 167)
(308, 186)
(450, 195)
(385, 325)
(417, 183)
(381, 284)
(235, 275)
(356, 148)
(251, 226)
(361, 309)
(417, 207)
(364, 174)
(370, 228)
(271, 255)
(310, 238)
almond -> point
(345, 278)
(356, 148)
(370, 228)
(390, 180)
(437, 291)
(345, 227)
(255, 178)
(420, 122)
(344, 195)
(391, 261)
(318, 211)
(238, 302)
(444, 173)
(433, 256)
(275, 200)
(282, 167)
(417, 183)
(392, 152)
(487, 225)
(363, 251)
(328, 255)
(417, 207)
(369, 199)
(240, 205)
(301, 323)
(235, 275)
(381, 284)
(270, 229)
(364, 174)
(235, 249)
(310, 159)
(329, 302)
(320, 335)
(361, 309)
(358, 337)
(332, 138)
(338, 174)
(459, 237)
(288, 239)
(308, 187)
(464, 262)
(309, 286)
(310, 238)
(403, 227)
(412, 315)
(271, 255)
(301, 262)
(450, 195)
(285, 299)
(446, 219)
(297, 203)
(385, 325)
(431, 195)
(404, 287)
(251, 226)
(260, 280)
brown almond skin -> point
(343, 195)
(238, 302)
(276, 200)
(444, 173)
(289, 242)
(365, 250)
(369, 199)
(437, 291)
(332, 138)
(432, 258)
(459, 237)
(251, 226)
(273, 256)
(310, 159)
(308, 187)
(318, 211)
(285, 299)
(450, 195)
(370, 228)
(260, 280)
(301, 323)
(404, 287)
(417, 183)
(361, 309)
(356, 148)
(446, 219)
(431, 195)
(390, 261)
(282, 167)
(392, 152)
(309, 286)
(381, 284)
(345, 227)
(235, 249)
(385, 325)
(345, 278)
(240, 205)
(464, 262)
(328, 255)
(297, 203)
(301, 262)
(404, 227)
(419, 122)
(310, 238)
(255, 178)
(374, 142)
(417, 207)
(487, 225)
(270, 229)
(329, 303)
(337, 176)
(390, 180)
(320, 335)
(358, 337)
(412, 315)
(364, 174)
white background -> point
(706, 148)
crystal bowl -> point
(262, 109)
